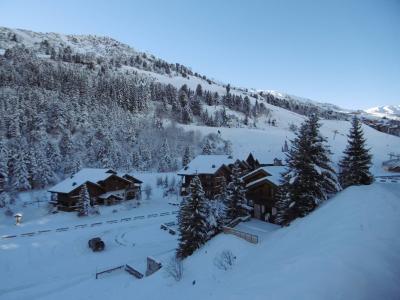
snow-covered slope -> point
(349, 248)
(388, 111)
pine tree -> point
(236, 201)
(166, 162)
(309, 178)
(187, 156)
(20, 179)
(284, 206)
(192, 219)
(4, 161)
(207, 148)
(83, 201)
(218, 206)
(354, 166)
(199, 91)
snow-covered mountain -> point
(93, 101)
(388, 111)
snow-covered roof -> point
(118, 194)
(81, 177)
(274, 175)
(275, 172)
(206, 164)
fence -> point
(388, 179)
(108, 271)
(251, 238)
(82, 226)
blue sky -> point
(343, 52)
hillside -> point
(71, 101)
(387, 111)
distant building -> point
(105, 186)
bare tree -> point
(225, 260)
(174, 268)
(147, 191)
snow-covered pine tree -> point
(83, 201)
(192, 220)
(284, 206)
(5, 199)
(20, 179)
(207, 148)
(355, 164)
(187, 156)
(217, 207)
(309, 178)
(236, 201)
(4, 161)
(165, 163)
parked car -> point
(96, 244)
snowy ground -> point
(347, 249)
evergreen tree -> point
(187, 156)
(83, 201)
(4, 161)
(20, 179)
(192, 219)
(207, 148)
(5, 199)
(236, 201)
(199, 91)
(284, 206)
(354, 166)
(166, 162)
(218, 207)
(309, 178)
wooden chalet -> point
(261, 185)
(105, 186)
(212, 170)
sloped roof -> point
(273, 175)
(116, 194)
(206, 164)
(275, 172)
(87, 174)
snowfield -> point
(349, 248)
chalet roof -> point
(206, 164)
(117, 194)
(129, 176)
(275, 172)
(87, 174)
(273, 175)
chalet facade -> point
(261, 180)
(212, 170)
(261, 185)
(105, 186)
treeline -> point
(303, 108)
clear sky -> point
(345, 52)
